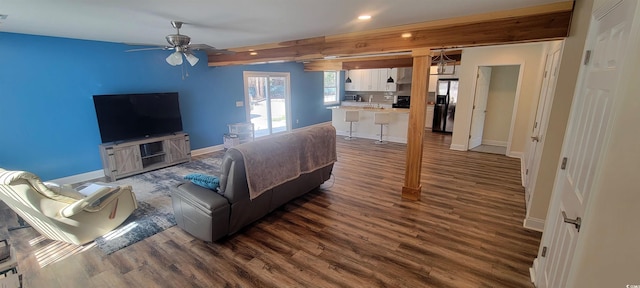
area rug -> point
(154, 213)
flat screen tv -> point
(130, 116)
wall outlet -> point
(297, 121)
(239, 103)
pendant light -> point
(390, 80)
(441, 62)
(348, 79)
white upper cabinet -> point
(433, 79)
(353, 75)
(372, 80)
(382, 79)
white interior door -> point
(590, 115)
(479, 106)
(534, 153)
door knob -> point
(576, 222)
(535, 138)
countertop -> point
(371, 109)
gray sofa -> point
(298, 162)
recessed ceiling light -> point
(364, 17)
(253, 53)
(406, 35)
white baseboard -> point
(533, 224)
(206, 150)
(532, 272)
(79, 177)
(523, 170)
(458, 147)
(494, 143)
(514, 154)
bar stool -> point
(381, 118)
(351, 116)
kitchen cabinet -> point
(351, 86)
(428, 123)
(384, 74)
(371, 80)
(433, 79)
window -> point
(331, 87)
(268, 96)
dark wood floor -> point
(356, 231)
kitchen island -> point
(396, 131)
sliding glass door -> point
(267, 98)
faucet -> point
(370, 98)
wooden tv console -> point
(122, 159)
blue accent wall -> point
(48, 124)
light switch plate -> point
(239, 103)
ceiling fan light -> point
(174, 59)
(192, 59)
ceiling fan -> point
(181, 44)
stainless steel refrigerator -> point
(445, 108)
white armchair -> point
(64, 214)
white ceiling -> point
(229, 23)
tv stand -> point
(122, 159)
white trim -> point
(338, 82)
(515, 154)
(523, 171)
(458, 147)
(605, 8)
(532, 271)
(514, 109)
(494, 143)
(533, 224)
(88, 176)
(207, 150)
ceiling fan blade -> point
(201, 47)
(209, 49)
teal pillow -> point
(206, 181)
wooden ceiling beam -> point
(374, 62)
(547, 22)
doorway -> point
(496, 93)
(268, 98)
